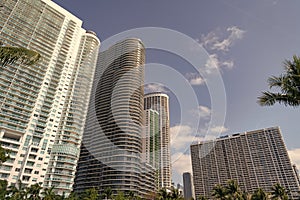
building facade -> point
(150, 142)
(111, 150)
(188, 186)
(160, 102)
(255, 159)
(150, 138)
(35, 101)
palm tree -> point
(163, 194)
(4, 155)
(175, 194)
(233, 190)
(259, 194)
(278, 192)
(288, 83)
(72, 196)
(131, 195)
(120, 196)
(49, 194)
(34, 191)
(219, 192)
(91, 194)
(245, 196)
(9, 55)
(200, 197)
(107, 193)
(17, 192)
(3, 189)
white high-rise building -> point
(160, 102)
(43, 107)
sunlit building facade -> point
(255, 159)
(159, 102)
(38, 103)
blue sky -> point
(247, 40)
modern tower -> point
(42, 107)
(150, 142)
(151, 138)
(255, 159)
(160, 102)
(111, 150)
(188, 186)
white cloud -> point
(217, 42)
(214, 63)
(202, 112)
(218, 129)
(155, 87)
(295, 157)
(228, 64)
(195, 79)
(181, 137)
(181, 163)
(213, 40)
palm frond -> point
(9, 55)
(275, 81)
(269, 99)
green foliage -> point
(200, 197)
(107, 194)
(288, 84)
(163, 194)
(49, 194)
(231, 191)
(259, 194)
(219, 192)
(4, 155)
(91, 194)
(278, 192)
(3, 189)
(9, 55)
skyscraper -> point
(160, 102)
(37, 119)
(255, 159)
(112, 143)
(188, 186)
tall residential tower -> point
(112, 143)
(160, 102)
(42, 107)
(255, 159)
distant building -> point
(43, 106)
(160, 102)
(188, 187)
(255, 159)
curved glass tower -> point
(111, 149)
